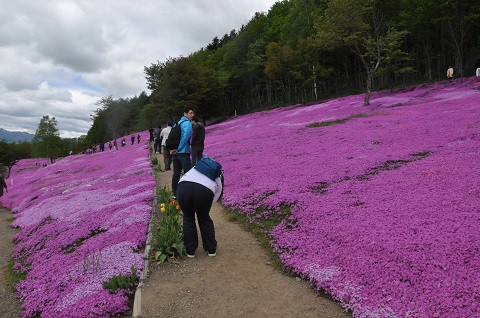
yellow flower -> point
(162, 205)
(162, 209)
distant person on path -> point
(3, 184)
(198, 139)
(167, 158)
(478, 72)
(124, 142)
(132, 139)
(138, 138)
(150, 131)
(102, 146)
(181, 155)
(450, 73)
(115, 144)
(110, 145)
(158, 140)
(196, 194)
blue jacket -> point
(186, 128)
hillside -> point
(377, 206)
(82, 221)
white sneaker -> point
(190, 256)
(212, 254)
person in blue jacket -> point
(181, 155)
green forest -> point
(301, 52)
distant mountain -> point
(13, 136)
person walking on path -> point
(158, 140)
(138, 138)
(196, 194)
(150, 131)
(181, 155)
(167, 158)
(132, 139)
(3, 184)
(198, 139)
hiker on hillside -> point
(132, 139)
(181, 155)
(124, 142)
(110, 145)
(198, 139)
(3, 184)
(138, 138)
(450, 73)
(167, 158)
(197, 191)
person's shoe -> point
(191, 256)
(212, 254)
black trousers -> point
(195, 198)
(196, 155)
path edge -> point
(137, 301)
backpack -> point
(209, 167)
(173, 140)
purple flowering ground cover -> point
(381, 208)
(83, 220)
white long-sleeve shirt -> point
(164, 134)
(215, 186)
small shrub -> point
(154, 161)
(127, 282)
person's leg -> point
(167, 159)
(184, 158)
(194, 157)
(202, 202)
(185, 193)
(177, 169)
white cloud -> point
(60, 56)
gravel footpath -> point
(239, 282)
(9, 305)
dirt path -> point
(9, 305)
(238, 282)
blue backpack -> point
(209, 167)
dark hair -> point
(170, 123)
(186, 109)
(195, 119)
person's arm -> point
(186, 128)
(218, 189)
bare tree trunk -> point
(368, 89)
(314, 82)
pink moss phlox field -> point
(82, 220)
(383, 205)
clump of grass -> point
(260, 229)
(154, 161)
(10, 276)
(338, 121)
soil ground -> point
(9, 305)
(239, 282)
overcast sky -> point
(58, 58)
